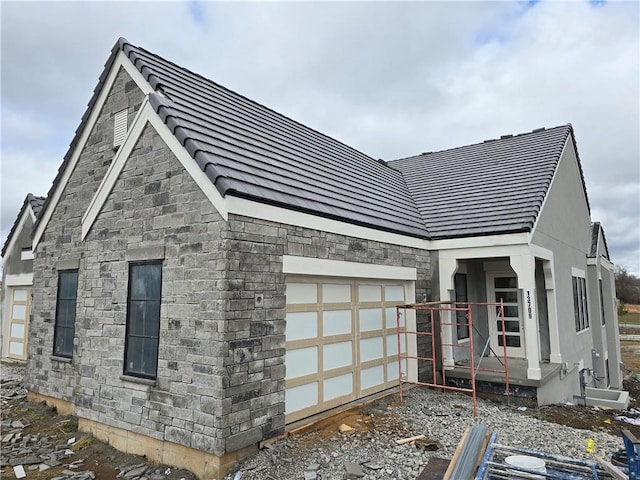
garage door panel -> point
(392, 369)
(371, 377)
(336, 322)
(339, 386)
(391, 314)
(336, 293)
(394, 293)
(370, 319)
(301, 361)
(301, 397)
(392, 344)
(300, 293)
(342, 347)
(371, 349)
(369, 293)
(301, 325)
(336, 355)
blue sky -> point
(390, 79)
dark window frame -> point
(148, 342)
(580, 303)
(461, 295)
(65, 323)
(604, 317)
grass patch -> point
(632, 317)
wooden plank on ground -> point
(434, 469)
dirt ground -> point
(99, 458)
(589, 418)
(105, 461)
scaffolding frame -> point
(451, 308)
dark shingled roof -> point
(36, 204)
(250, 151)
(494, 187)
(596, 228)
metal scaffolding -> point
(451, 309)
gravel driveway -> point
(370, 451)
(441, 417)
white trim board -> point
(123, 61)
(16, 280)
(336, 268)
(487, 241)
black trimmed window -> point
(580, 303)
(143, 319)
(65, 325)
(604, 318)
(460, 288)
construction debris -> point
(410, 439)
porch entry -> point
(19, 321)
(503, 287)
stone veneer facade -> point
(220, 383)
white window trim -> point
(26, 255)
(576, 272)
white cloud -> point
(391, 79)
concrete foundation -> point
(206, 466)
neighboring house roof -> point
(494, 187)
(596, 230)
(32, 201)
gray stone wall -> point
(256, 335)
(155, 211)
(220, 382)
(61, 241)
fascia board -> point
(253, 209)
(28, 212)
(487, 241)
(493, 251)
(147, 116)
(121, 60)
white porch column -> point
(524, 266)
(446, 269)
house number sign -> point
(529, 304)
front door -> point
(504, 288)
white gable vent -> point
(119, 127)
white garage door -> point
(341, 341)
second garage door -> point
(341, 341)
